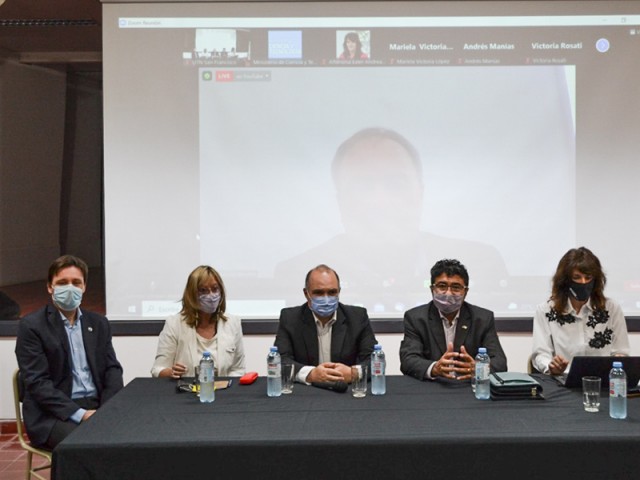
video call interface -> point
(376, 143)
(431, 46)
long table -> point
(417, 430)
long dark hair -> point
(353, 36)
(585, 261)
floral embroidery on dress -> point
(599, 316)
(600, 339)
(554, 316)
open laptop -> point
(599, 367)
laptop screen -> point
(583, 366)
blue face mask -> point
(324, 306)
(67, 297)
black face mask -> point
(581, 291)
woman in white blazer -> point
(201, 325)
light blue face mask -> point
(324, 306)
(67, 297)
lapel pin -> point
(90, 329)
(464, 327)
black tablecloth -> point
(417, 430)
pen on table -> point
(498, 378)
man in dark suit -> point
(66, 358)
(441, 338)
(323, 337)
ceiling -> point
(62, 34)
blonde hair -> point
(190, 297)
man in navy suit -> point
(323, 337)
(441, 338)
(66, 359)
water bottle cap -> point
(206, 354)
(273, 349)
(617, 364)
(482, 350)
(377, 347)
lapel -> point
(434, 325)
(310, 335)
(221, 341)
(54, 319)
(338, 335)
(187, 348)
(89, 334)
(463, 327)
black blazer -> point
(352, 338)
(424, 340)
(42, 350)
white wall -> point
(136, 355)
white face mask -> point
(67, 297)
(209, 302)
(448, 303)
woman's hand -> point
(176, 371)
(558, 365)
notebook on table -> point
(600, 367)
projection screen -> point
(264, 139)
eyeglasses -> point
(204, 290)
(455, 288)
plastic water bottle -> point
(482, 375)
(378, 368)
(274, 378)
(473, 383)
(617, 391)
(207, 392)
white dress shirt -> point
(449, 335)
(561, 336)
(324, 346)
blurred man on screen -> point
(66, 358)
(383, 253)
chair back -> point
(530, 367)
(18, 395)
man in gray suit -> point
(323, 337)
(441, 338)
